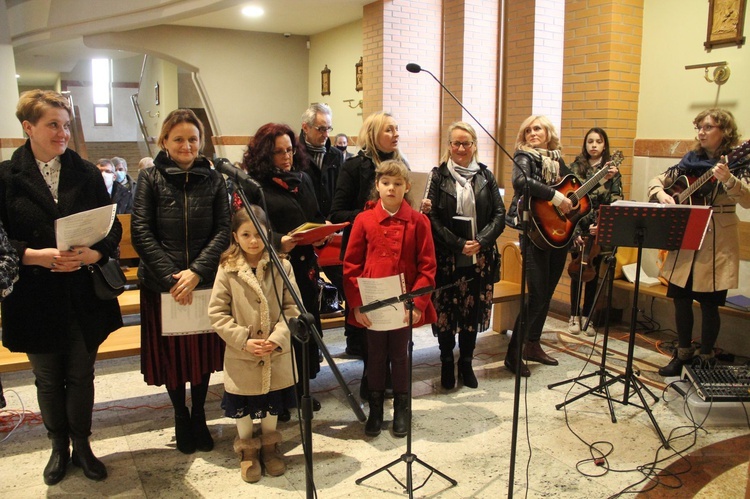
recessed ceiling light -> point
(252, 11)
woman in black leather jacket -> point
(461, 186)
(180, 227)
(538, 159)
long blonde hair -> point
(553, 139)
(368, 136)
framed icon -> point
(358, 76)
(726, 22)
(325, 81)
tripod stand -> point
(408, 457)
(602, 389)
(646, 225)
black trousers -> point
(65, 388)
(542, 275)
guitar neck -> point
(592, 182)
(733, 156)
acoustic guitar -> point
(687, 187)
(549, 227)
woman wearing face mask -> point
(53, 314)
(119, 194)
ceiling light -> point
(252, 11)
(18, 75)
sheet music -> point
(372, 289)
(177, 320)
(85, 228)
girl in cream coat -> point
(258, 363)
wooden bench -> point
(660, 292)
(506, 294)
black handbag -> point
(108, 279)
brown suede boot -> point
(247, 449)
(533, 352)
(270, 455)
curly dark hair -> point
(258, 158)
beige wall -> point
(340, 48)
(671, 96)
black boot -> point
(58, 461)
(199, 429)
(466, 373)
(183, 431)
(510, 364)
(85, 459)
(400, 414)
(447, 372)
(375, 418)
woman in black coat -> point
(180, 227)
(290, 201)
(461, 186)
(53, 314)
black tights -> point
(710, 325)
(198, 393)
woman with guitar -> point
(538, 161)
(705, 275)
(584, 267)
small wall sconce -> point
(355, 106)
(721, 71)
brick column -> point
(395, 33)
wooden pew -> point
(507, 292)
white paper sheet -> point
(372, 289)
(177, 320)
(85, 228)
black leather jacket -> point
(537, 186)
(180, 220)
(489, 208)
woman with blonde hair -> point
(538, 163)
(378, 139)
(463, 187)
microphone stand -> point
(525, 240)
(301, 328)
(408, 457)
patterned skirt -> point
(257, 406)
(174, 360)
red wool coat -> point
(381, 245)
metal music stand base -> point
(408, 457)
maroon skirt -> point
(174, 360)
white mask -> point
(109, 178)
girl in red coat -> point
(390, 238)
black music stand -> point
(645, 225)
(602, 389)
(408, 457)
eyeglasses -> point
(323, 129)
(284, 152)
(705, 128)
(457, 145)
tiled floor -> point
(464, 433)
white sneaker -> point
(590, 331)
(574, 327)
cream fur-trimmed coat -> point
(243, 305)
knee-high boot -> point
(466, 343)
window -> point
(101, 73)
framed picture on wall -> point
(325, 81)
(358, 76)
(726, 22)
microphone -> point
(249, 185)
(413, 67)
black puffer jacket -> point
(180, 220)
